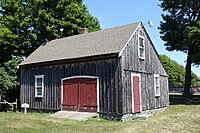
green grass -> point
(180, 118)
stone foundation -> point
(143, 115)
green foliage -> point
(179, 29)
(195, 35)
(9, 75)
(181, 25)
(27, 24)
(176, 73)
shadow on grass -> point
(179, 99)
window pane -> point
(39, 81)
(157, 81)
(141, 52)
(141, 42)
(39, 91)
(157, 90)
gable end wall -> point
(146, 68)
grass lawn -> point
(179, 118)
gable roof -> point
(108, 41)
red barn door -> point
(80, 94)
(70, 94)
(88, 95)
(136, 92)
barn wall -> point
(151, 65)
(108, 71)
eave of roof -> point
(107, 41)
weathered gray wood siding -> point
(108, 71)
(147, 68)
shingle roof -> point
(101, 42)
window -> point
(141, 47)
(157, 85)
(39, 85)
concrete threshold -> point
(79, 116)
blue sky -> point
(113, 13)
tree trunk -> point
(0, 97)
(187, 86)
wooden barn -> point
(115, 72)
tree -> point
(176, 73)
(27, 24)
(8, 76)
(179, 30)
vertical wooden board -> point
(120, 88)
(135, 53)
(127, 87)
(148, 80)
(43, 100)
(107, 95)
(152, 96)
(50, 89)
(111, 87)
(144, 89)
(161, 92)
(46, 89)
(102, 97)
(67, 71)
(164, 91)
(147, 91)
(80, 68)
(26, 88)
(129, 91)
(123, 94)
(58, 96)
(49, 82)
(30, 87)
(54, 85)
(93, 73)
(116, 84)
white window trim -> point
(139, 36)
(36, 77)
(157, 76)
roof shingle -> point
(101, 42)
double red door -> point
(136, 93)
(80, 94)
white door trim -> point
(81, 76)
(138, 75)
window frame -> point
(157, 94)
(140, 36)
(36, 86)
